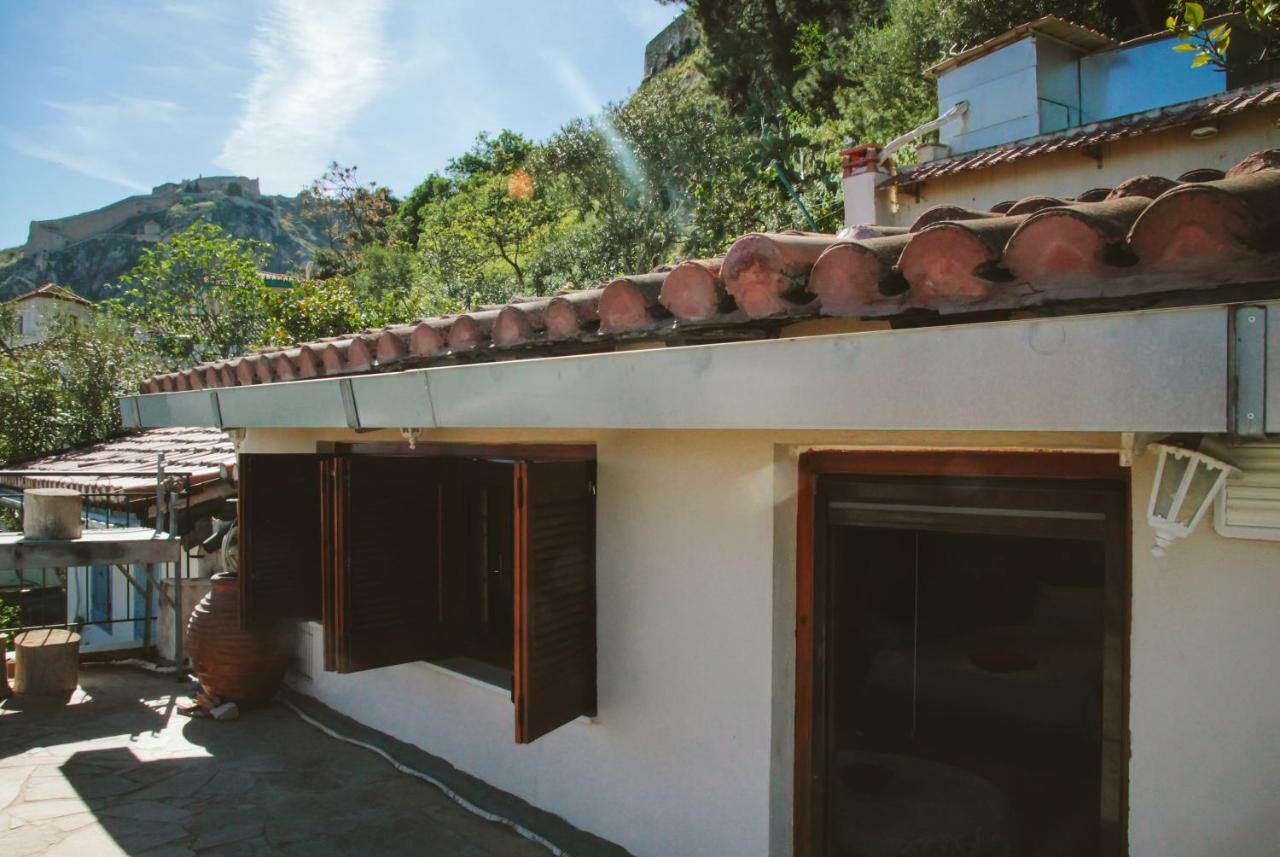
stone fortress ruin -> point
(45, 236)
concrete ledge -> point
(552, 828)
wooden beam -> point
(95, 547)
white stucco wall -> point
(678, 760)
(692, 751)
(37, 316)
(1204, 773)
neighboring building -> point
(38, 309)
(108, 600)
(1070, 113)
(829, 545)
(278, 281)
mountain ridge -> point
(88, 252)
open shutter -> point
(279, 538)
(555, 610)
(332, 550)
(385, 573)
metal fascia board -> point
(1153, 371)
(129, 416)
(393, 400)
(188, 408)
(1248, 382)
(1273, 368)
(215, 408)
(1147, 371)
(292, 404)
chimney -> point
(862, 175)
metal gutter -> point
(1147, 371)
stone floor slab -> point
(117, 771)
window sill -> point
(474, 672)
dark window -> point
(478, 542)
(483, 564)
(974, 664)
(279, 538)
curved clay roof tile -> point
(693, 291)
(631, 303)
(572, 314)
(1073, 244)
(766, 273)
(1145, 186)
(860, 278)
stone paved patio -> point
(118, 771)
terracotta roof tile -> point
(1104, 132)
(1149, 236)
(54, 291)
(197, 453)
(1204, 110)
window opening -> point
(973, 684)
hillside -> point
(88, 252)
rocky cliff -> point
(88, 253)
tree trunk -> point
(48, 662)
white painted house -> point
(856, 556)
(39, 309)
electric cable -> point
(448, 792)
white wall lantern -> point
(1186, 482)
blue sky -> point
(105, 99)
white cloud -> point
(85, 163)
(95, 138)
(319, 63)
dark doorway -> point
(969, 676)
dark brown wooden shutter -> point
(279, 538)
(385, 572)
(333, 480)
(555, 611)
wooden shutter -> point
(384, 574)
(279, 538)
(555, 582)
(332, 550)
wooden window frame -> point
(1063, 466)
(538, 709)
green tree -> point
(197, 296)
(355, 215)
(408, 217)
(312, 309)
(1259, 42)
(10, 324)
(477, 242)
(63, 392)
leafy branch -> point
(1211, 47)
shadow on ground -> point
(119, 772)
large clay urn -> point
(245, 667)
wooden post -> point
(51, 513)
(48, 661)
(147, 610)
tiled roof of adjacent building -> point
(1203, 111)
(198, 454)
(52, 290)
(1058, 29)
(1148, 237)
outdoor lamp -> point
(1186, 482)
